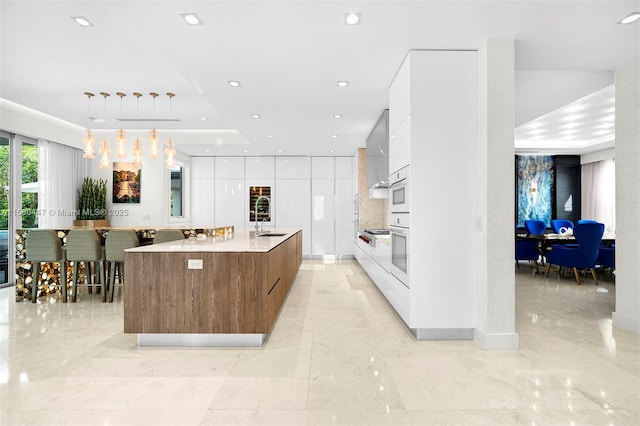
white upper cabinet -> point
(229, 168)
(323, 167)
(400, 96)
(344, 168)
(400, 146)
(293, 167)
(202, 167)
(260, 167)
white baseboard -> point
(496, 341)
(624, 322)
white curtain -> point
(599, 192)
(61, 170)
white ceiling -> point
(288, 56)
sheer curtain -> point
(61, 170)
(599, 192)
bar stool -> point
(117, 241)
(164, 235)
(84, 246)
(43, 245)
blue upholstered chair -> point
(583, 256)
(527, 250)
(607, 257)
(558, 224)
(534, 226)
(587, 221)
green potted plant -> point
(92, 203)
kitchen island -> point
(215, 291)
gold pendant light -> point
(121, 140)
(137, 145)
(170, 151)
(105, 150)
(88, 140)
(153, 134)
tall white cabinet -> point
(230, 201)
(432, 122)
(314, 194)
(202, 191)
(293, 200)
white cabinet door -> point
(229, 168)
(293, 167)
(229, 203)
(400, 96)
(400, 147)
(343, 167)
(322, 167)
(202, 202)
(344, 217)
(293, 208)
(202, 167)
(322, 217)
(259, 167)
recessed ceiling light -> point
(334, 136)
(343, 83)
(207, 151)
(82, 21)
(203, 118)
(234, 83)
(332, 151)
(632, 17)
(279, 150)
(352, 18)
(255, 115)
(245, 151)
(191, 18)
(269, 136)
(337, 115)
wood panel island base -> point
(224, 291)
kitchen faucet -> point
(256, 211)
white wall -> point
(153, 209)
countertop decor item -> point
(92, 203)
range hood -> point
(378, 158)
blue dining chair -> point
(534, 226)
(527, 250)
(587, 221)
(607, 257)
(583, 256)
(558, 224)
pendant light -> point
(105, 151)
(153, 134)
(121, 140)
(170, 151)
(137, 145)
(88, 140)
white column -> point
(496, 275)
(627, 157)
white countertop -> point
(239, 241)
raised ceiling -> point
(288, 57)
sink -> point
(270, 234)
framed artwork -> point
(126, 183)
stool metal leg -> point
(34, 285)
(74, 282)
(63, 281)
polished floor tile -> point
(338, 355)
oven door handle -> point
(398, 182)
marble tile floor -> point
(338, 355)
